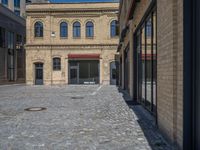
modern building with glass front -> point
(17, 6)
(72, 43)
(12, 53)
(159, 64)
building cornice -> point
(71, 10)
(72, 46)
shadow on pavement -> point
(147, 123)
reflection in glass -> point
(154, 62)
(148, 63)
(84, 72)
(143, 51)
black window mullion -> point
(152, 59)
(145, 65)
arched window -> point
(89, 29)
(76, 29)
(38, 29)
(114, 28)
(56, 63)
(63, 29)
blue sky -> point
(78, 1)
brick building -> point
(71, 43)
(157, 56)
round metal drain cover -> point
(77, 97)
(35, 109)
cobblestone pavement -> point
(76, 118)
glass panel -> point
(56, 64)
(38, 29)
(63, 29)
(2, 37)
(154, 62)
(126, 68)
(10, 56)
(17, 3)
(148, 64)
(139, 66)
(17, 12)
(87, 72)
(5, 2)
(76, 29)
(73, 76)
(114, 31)
(94, 71)
(89, 29)
(142, 58)
(83, 71)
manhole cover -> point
(77, 97)
(35, 109)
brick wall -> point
(170, 69)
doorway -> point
(39, 74)
(113, 73)
(73, 73)
(83, 72)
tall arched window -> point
(114, 28)
(89, 29)
(38, 29)
(76, 29)
(63, 29)
(56, 63)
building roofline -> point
(70, 3)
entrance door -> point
(74, 79)
(38, 74)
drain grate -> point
(35, 109)
(78, 97)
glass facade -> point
(84, 72)
(147, 62)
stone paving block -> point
(76, 118)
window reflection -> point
(147, 62)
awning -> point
(85, 56)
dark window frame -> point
(63, 26)
(38, 29)
(56, 64)
(89, 29)
(76, 29)
(114, 30)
